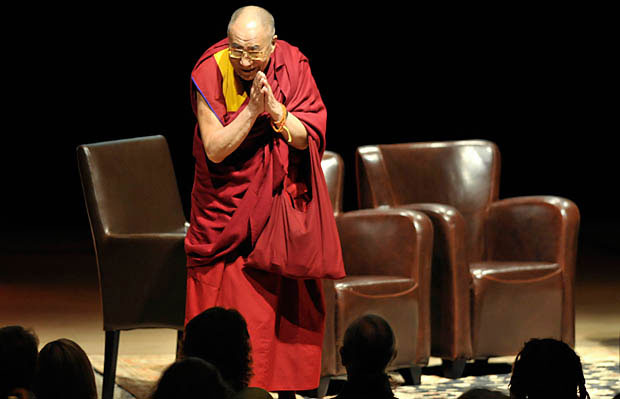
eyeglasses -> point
(252, 55)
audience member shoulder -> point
(253, 393)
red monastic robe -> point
(231, 202)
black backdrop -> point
(532, 80)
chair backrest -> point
(130, 186)
(333, 169)
(462, 174)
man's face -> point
(250, 49)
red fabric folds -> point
(300, 239)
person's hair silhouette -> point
(191, 377)
(64, 371)
(220, 336)
(368, 348)
(547, 368)
(18, 358)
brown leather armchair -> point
(138, 228)
(380, 279)
(503, 270)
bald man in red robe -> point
(260, 118)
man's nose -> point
(245, 61)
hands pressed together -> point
(263, 100)
(282, 121)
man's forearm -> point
(298, 131)
(227, 139)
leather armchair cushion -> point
(388, 297)
(514, 304)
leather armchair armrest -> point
(393, 242)
(535, 228)
(330, 361)
(450, 302)
(156, 291)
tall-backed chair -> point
(503, 270)
(387, 256)
(138, 228)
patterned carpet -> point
(136, 376)
(602, 381)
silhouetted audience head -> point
(220, 337)
(483, 393)
(369, 346)
(18, 358)
(547, 368)
(191, 377)
(64, 371)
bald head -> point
(252, 17)
(368, 346)
(251, 36)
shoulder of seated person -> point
(253, 393)
(20, 393)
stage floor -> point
(50, 284)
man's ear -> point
(274, 39)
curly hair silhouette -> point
(547, 368)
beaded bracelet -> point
(280, 125)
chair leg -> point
(411, 375)
(481, 362)
(319, 392)
(453, 368)
(179, 344)
(109, 363)
(323, 386)
(480, 365)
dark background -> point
(538, 82)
